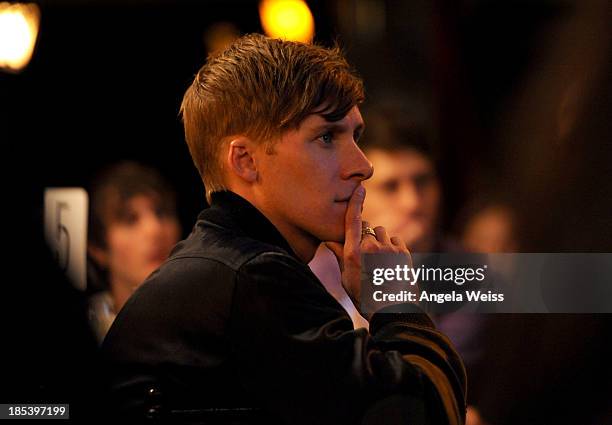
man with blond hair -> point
(234, 328)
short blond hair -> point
(260, 87)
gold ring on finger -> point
(367, 231)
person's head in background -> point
(132, 225)
(488, 227)
(404, 194)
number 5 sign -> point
(66, 231)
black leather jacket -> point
(235, 329)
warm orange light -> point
(287, 19)
(18, 32)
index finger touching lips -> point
(353, 218)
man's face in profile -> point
(403, 195)
(308, 179)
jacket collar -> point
(231, 210)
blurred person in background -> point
(132, 229)
(405, 191)
(489, 228)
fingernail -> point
(360, 192)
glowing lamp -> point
(287, 19)
(18, 31)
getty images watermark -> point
(489, 283)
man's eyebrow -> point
(336, 126)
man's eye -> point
(326, 138)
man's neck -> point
(303, 244)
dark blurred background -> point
(517, 93)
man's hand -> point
(357, 243)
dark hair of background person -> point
(390, 130)
(114, 186)
(109, 192)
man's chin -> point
(337, 236)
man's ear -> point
(240, 158)
(99, 255)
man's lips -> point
(343, 199)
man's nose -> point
(357, 165)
